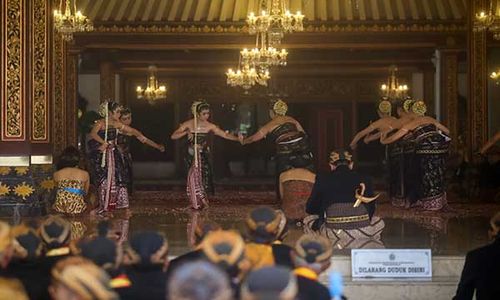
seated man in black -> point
(482, 268)
(341, 206)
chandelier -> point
(392, 90)
(246, 76)
(70, 20)
(153, 91)
(488, 21)
(496, 76)
(276, 23)
(264, 55)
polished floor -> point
(454, 232)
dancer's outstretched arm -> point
(490, 143)
(182, 131)
(143, 139)
(360, 135)
(223, 134)
(384, 139)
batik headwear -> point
(147, 248)
(313, 249)
(27, 243)
(270, 283)
(407, 104)
(385, 107)
(203, 229)
(55, 232)
(283, 225)
(11, 288)
(339, 157)
(5, 236)
(84, 278)
(280, 107)
(419, 107)
(225, 249)
(263, 225)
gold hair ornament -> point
(407, 104)
(419, 108)
(385, 107)
(280, 107)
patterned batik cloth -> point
(195, 188)
(70, 197)
(349, 238)
(294, 198)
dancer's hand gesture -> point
(161, 148)
(103, 147)
(241, 138)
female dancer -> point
(197, 129)
(375, 129)
(426, 149)
(292, 145)
(109, 172)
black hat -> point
(270, 283)
(313, 249)
(101, 250)
(55, 232)
(27, 243)
(340, 156)
(263, 225)
(147, 247)
(225, 249)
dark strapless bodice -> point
(282, 130)
(201, 139)
(112, 137)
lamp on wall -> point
(496, 76)
(154, 91)
(488, 20)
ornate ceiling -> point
(228, 11)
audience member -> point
(55, 233)
(12, 289)
(6, 249)
(199, 280)
(282, 252)
(482, 269)
(270, 283)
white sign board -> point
(391, 263)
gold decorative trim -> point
(14, 161)
(349, 219)
(39, 119)
(13, 81)
(23, 190)
(41, 159)
(236, 28)
(71, 99)
(59, 94)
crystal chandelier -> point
(247, 76)
(276, 23)
(263, 55)
(392, 90)
(153, 91)
(488, 21)
(496, 76)
(70, 20)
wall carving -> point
(13, 121)
(59, 94)
(39, 118)
(71, 98)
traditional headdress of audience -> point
(147, 248)
(5, 244)
(199, 281)
(263, 224)
(203, 229)
(82, 278)
(312, 252)
(276, 283)
(27, 243)
(55, 232)
(12, 289)
(226, 249)
(340, 157)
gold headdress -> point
(407, 104)
(280, 107)
(419, 107)
(385, 107)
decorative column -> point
(449, 93)
(477, 109)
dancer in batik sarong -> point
(200, 177)
(425, 150)
(109, 172)
(341, 206)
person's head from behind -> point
(6, 249)
(12, 289)
(277, 108)
(126, 116)
(226, 249)
(77, 278)
(312, 252)
(69, 158)
(282, 232)
(263, 225)
(494, 231)
(340, 157)
(202, 230)
(270, 283)
(147, 248)
(27, 243)
(55, 232)
(199, 280)
(384, 108)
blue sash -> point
(74, 191)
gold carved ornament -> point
(4, 189)
(23, 190)
(40, 71)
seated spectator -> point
(147, 258)
(277, 283)
(105, 253)
(6, 249)
(26, 265)
(12, 289)
(72, 183)
(55, 233)
(482, 269)
(262, 225)
(77, 278)
(199, 280)
(226, 249)
(312, 256)
(295, 188)
(282, 252)
(346, 199)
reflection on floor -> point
(454, 232)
